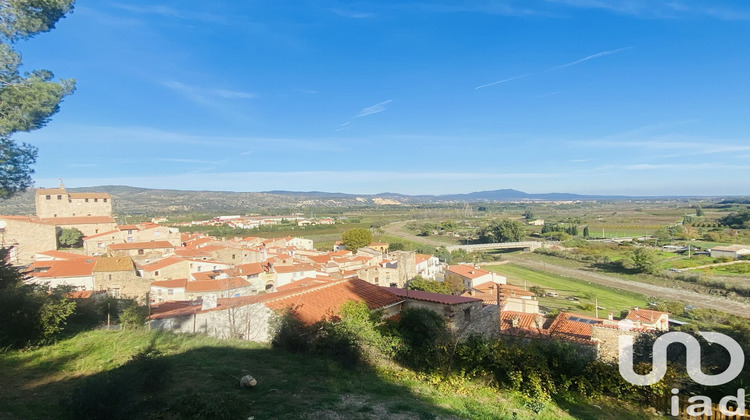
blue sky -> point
(639, 97)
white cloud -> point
(205, 96)
(590, 57)
(374, 109)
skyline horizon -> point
(623, 97)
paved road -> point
(689, 297)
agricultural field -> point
(573, 295)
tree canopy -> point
(502, 231)
(27, 99)
(70, 237)
(356, 238)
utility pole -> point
(596, 306)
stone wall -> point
(249, 322)
(608, 341)
(128, 283)
(73, 205)
(26, 238)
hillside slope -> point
(198, 378)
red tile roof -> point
(645, 315)
(313, 305)
(573, 325)
(431, 297)
(63, 268)
(83, 220)
(215, 285)
(62, 255)
(98, 235)
(293, 268)
(468, 271)
(250, 269)
(166, 262)
(170, 284)
(304, 283)
(141, 245)
(128, 227)
(527, 323)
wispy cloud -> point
(205, 96)
(352, 14)
(374, 109)
(370, 110)
(590, 57)
(662, 9)
(572, 63)
(501, 81)
(169, 12)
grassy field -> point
(610, 299)
(203, 382)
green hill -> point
(143, 374)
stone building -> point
(118, 276)
(57, 202)
(25, 237)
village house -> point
(285, 274)
(428, 266)
(250, 317)
(141, 250)
(165, 269)
(469, 276)
(77, 272)
(118, 276)
(464, 315)
(168, 290)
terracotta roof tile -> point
(644, 315)
(82, 220)
(573, 325)
(215, 285)
(62, 255)
(526, 322)
(431, 297)
(166, 262)
(170, 284)
(62, 268)
(141, 245)
(313, 305)
(467, 271)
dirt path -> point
(399, 229)
(689, 297)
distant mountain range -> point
(133, 200)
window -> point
(48, 197)
(157, 233)
(170, 292)
(105, 200)
(234, 256)
(87, 200)
(96, 200)
(109, 277)
(140, 252)
(130, 231)
(59, 197)
(467, 314)
(100, 245)
(156, 273)
(114, 292)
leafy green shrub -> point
(133, 316)
(425, 337)
(31, 314)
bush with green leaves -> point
(133, 316)
(32, 314)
